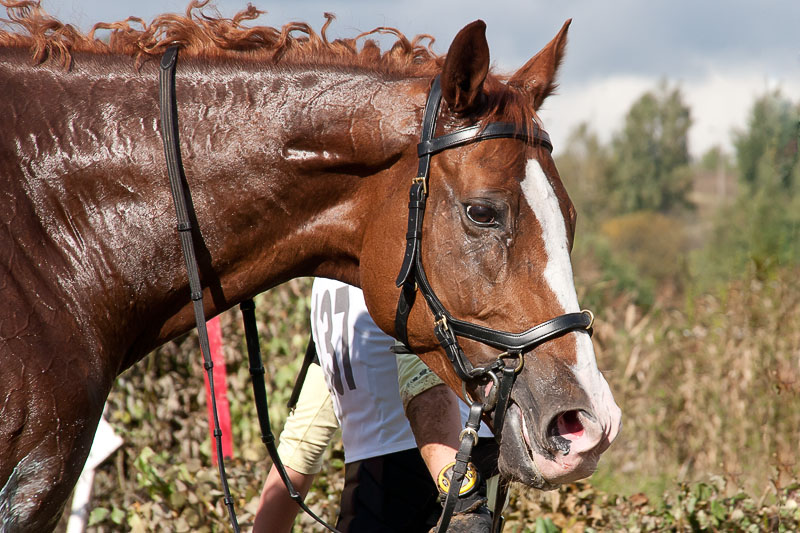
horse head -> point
(495, 248)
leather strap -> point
(525, 341)
(469, 437)
(180, 197)
(493, 130)
(262, 409)
(507, 378)
(309, 357)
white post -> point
(105, 442)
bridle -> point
(412, 276)
(412, 273)
(447, 328)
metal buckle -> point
(424, 181)
(471, 432)
(442, 322)
(488, 402)
(591, 317)
(520, 363)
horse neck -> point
(283, 166)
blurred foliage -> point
(585, 166)
(645, 168)
(760, 231)
(692, 270)
(766, 152)
(651, 155)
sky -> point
(722, 54)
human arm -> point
(306, 434)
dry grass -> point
(710, 391)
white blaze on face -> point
(543, 201)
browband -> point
(493, 130)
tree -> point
(766, 151)
(584, 167)
(650, 161)
(760, 232)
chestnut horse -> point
(299, 153)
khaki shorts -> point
(310, 427)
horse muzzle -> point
(564, 446)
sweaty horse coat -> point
(298, 152)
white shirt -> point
(360, 370)
(361, 373)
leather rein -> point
(412, 277)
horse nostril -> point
(569, 424)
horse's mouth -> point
(517, 451)
(564, 457)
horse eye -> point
(483, 215)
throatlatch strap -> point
(180, 197)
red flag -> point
(221, 390)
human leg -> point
(306, 434)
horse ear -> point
(537, 77)
(465, 68)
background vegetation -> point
(692, 267)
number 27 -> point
(340, 306)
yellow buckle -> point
(520, 363)
(423, 180)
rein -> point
(447, 329)
(185, 211)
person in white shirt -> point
(388, 485)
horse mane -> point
(201, 35)
(214, 37)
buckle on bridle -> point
(424, 181)
(591, 318)
(489, 401)
(471, 432)
(520, 362)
